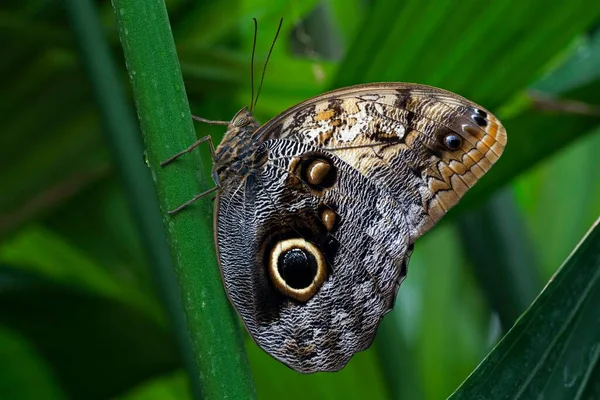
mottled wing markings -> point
(375, 132)
(370, 214)
(374, 309)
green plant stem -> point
(167, 128)
(123, 136)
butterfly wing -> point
(395, 134)
(314, 236)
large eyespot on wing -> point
(325, 219)
(423, 146)
(297, 268)
(308, 260)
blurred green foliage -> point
(80, 314)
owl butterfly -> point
(318, 210)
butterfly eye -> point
(241, 121)
(453, 142)
(297, 268)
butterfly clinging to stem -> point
(317, 210)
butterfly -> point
(317, 211)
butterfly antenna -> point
(252, 64)
(267, 62)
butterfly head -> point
(237, 147)
(243, 119)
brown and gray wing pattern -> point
(359, 174)
(364, 253)
(394, 133)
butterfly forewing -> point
(395, 134)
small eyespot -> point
(453, 142)
(480, 120)
(480, 112)
(479, 117)
(329, 218)
(319, 173)
(297, 268)
(312, 171)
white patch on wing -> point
(370, 97)
(389, 100)
(285, 125)
(350, 132)
(401, 131)
(322, 106)
(315, 129)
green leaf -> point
(43, 173)
(555, 345)
(39, 251)
(168, 387)
(570, 181)
(579, 69)
(474, 50)
(496, 241)
(94, 347)
(592, 390)
(29, 375)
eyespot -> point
(480, 117)
(329, 218)
(297, 268)
(314, 170)
(479, 120)
(319, 173)
(453, 142)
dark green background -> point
(81, 314)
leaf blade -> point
(522, 363)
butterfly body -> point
(319, 208)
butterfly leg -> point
(192, 147)
(210, 122)
(213, 154)
(193, 199)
